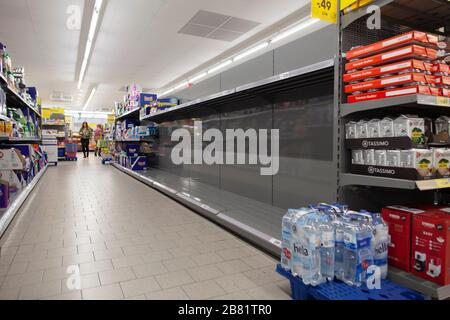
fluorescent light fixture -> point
(251, 51)
(220, 66)
(200, 76)
(90, 40)
(89, 99)
(309, 22)
(167, 91)
(181, 85)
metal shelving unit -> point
(127, 114)
(7, 215)
(416, 101)
(355, 189)
(14, 97)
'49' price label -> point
(325, 10)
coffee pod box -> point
(442, 125)
(361, 129)
(410, 126)
(381, 158)
(369, 157)
(373, 128)
(419, 159)
(350, 130)
(387, 128)
(393, 158)
(358, 157)
(442, 162)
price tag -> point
(442, 183)
(325, 10)
(443, 101)
(347, 3)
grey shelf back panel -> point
(312, 48)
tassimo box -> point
(399, 220)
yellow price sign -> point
(347, 3)
(325, 10)
(442, 183)
(443, 101)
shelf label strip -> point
(433, 184)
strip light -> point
(181, 85)
(251, 51)
(309, 22)
(90, 98)
(305, 23)
(200, 76)
(220, 66)
(90, 40)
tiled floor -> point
(126, 241)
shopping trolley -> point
(71, 151)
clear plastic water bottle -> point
(286, 238)
(339, 251)
(327, 251)
(380, 244)
(298, 242)
(357, 251)
(311, 251)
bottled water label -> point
(328, 239)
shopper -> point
(98, 136)
(86, 135)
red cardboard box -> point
(390, 68)
(394, 93)
(444, 80)
(431, 246)
(393, 81)
(441, 68)
(412, 52)
(446, 92)
(406, 38)
(399, 220)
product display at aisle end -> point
(134, 137)
(22, 160)
(394, 142)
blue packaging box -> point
(147, 99)
(139, 164)
(132, 150)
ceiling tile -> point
(224, 35)
(196, 30)
(239, 25)
(210, 19)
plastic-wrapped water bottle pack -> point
(326, 242)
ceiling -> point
(138, 41)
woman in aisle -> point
(86, 135)
(98, 135)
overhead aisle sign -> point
(325, 10)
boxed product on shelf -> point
(414, 164)
(408, 52)
(431, 246)
(14, 179)
(132, 150)
(441, 158)
(11, 159)
(4, 194)
(398, 92)
(139, 164)
(412, 37)
(397, 80)
(147, 99)
(411, 65)
(441, 69)
(399, 220)
(410, 126)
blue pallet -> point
(337, 290)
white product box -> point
(11, 159)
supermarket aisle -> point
(128, 240)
